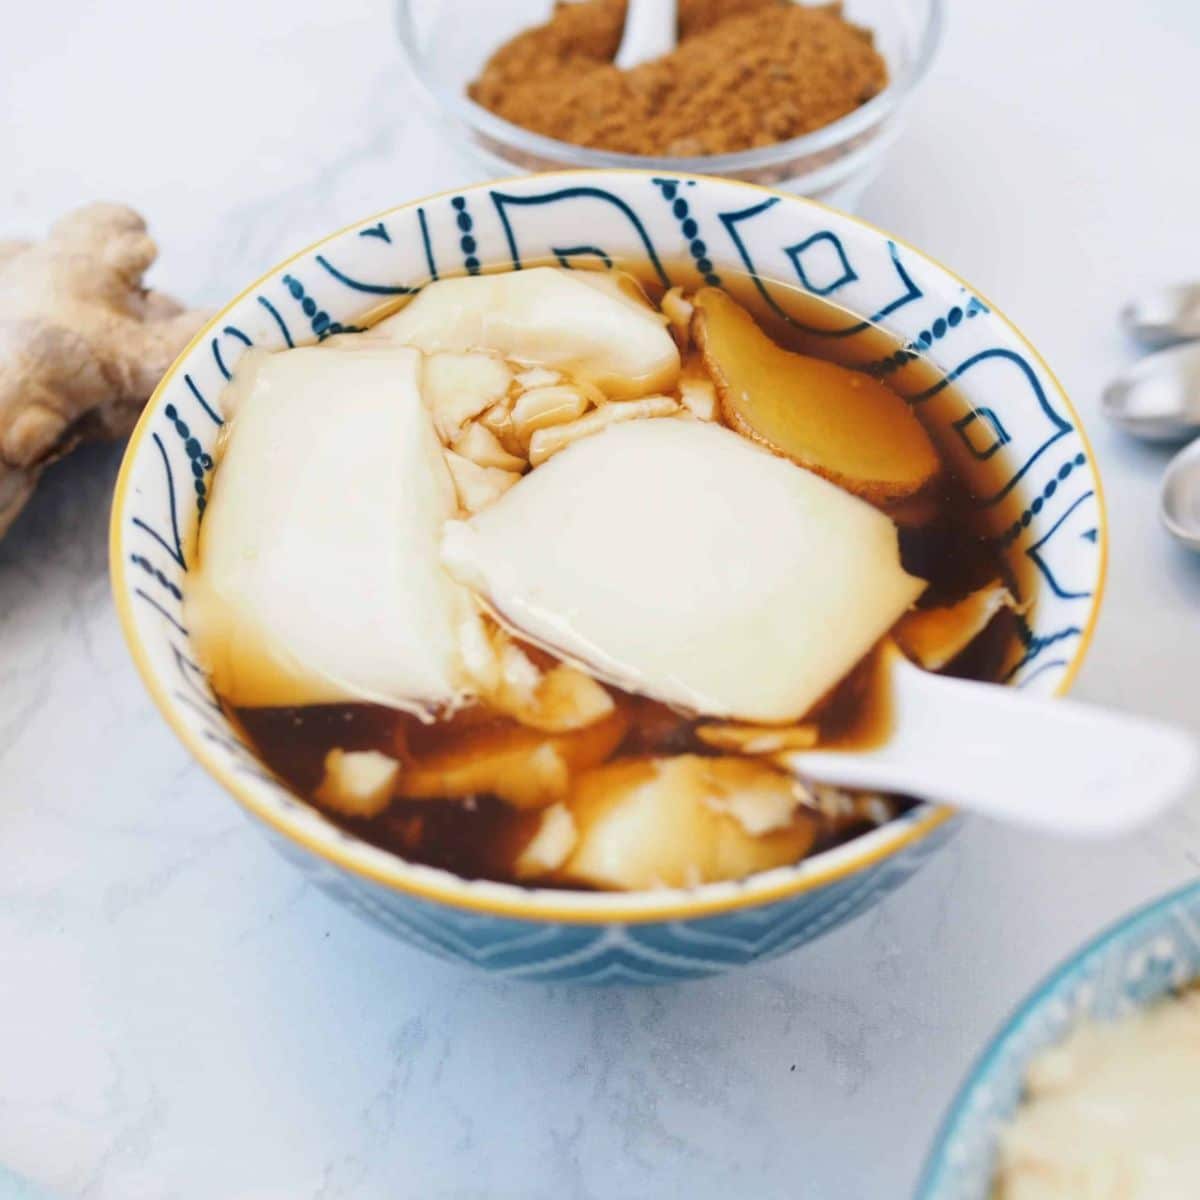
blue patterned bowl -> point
(1020, 443)
(1143, 958)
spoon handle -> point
(1028, 760)
(650, 31)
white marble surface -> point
(182, 1017)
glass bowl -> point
(446, 42)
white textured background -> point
(182, 1017)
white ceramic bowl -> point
(1020, 441)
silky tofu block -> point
(681, 821)
(544, 316)
(319, 578)
(676, 559)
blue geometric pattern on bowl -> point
(1143, 958)
(1041, 489)
(615, 952)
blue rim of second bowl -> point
(571, 156)
(1062, 979)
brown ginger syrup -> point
(946, 537)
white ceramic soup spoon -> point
(650, 29)
(1051, 764)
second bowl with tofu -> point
(516, 559)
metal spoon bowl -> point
(1165, 317)
(1158, 398)
(1180, 502)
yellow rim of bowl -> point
(540, 905)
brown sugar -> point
(745, 73)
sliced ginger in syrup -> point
(840, 423)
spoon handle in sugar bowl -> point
(1028, 760)
(650, 32)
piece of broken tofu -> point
(550, 845)
(697, 393)
(759, 739)
(477, 486)
(317, 577)
(357, 783)
(840, 423)
(459, 387)
(556, 698)
(683, 821)
(934, 637)
(545, 443)
(586, 324)
(679, 561)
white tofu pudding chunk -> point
(547, 317)
(680, 561)
(543, 578)
(318, 577)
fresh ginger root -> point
(82, 342)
